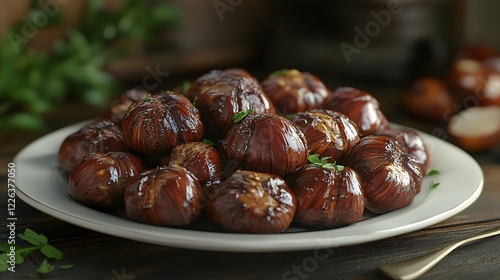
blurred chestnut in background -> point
(103, 136)
(478, 52)
(390, 177)
(265, 143)
(428, 98)
(475, 84)
(219, 95)
(292, 91)
(327, 197)
(359, 106)
(329, 134)
(99, 181)
(412, 144)
(120, 106)
(199, 158)
(154, 125)
(164, 196)
(251, 202)
(476, 129)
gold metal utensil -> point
(411, 269)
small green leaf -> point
(434, 185)
(281, 72)
(51, 252)
(238, 117)
(45, 267)
(33, 237)
(290, 116)
(194, 100)
(209, 142)
(323, 163)
(185, 86)
(3, 262)
(65, 266)
(433, 172)
(5, 247)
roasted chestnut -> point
(199, 158)
(328, 195)
(100, 137)
(120, 106)
(475, 83)
(329, 134)
(412, 144)
(265, 143)
(164, 196)
(359, 106)
(154, 125)
(99, 180)
(251, 202)
(219, 95)
(292, 91)
(390, 177)
(428, 98)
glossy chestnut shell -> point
(199, 158)
(120, 106)
(100, 137)
(360, 106)
(428, 98)
(154, 125)
(219, 95)
(390, 177)
(251, 202)
(329, 134)
(412, 144)
(292, 91)
(99, 180)
(265, 143)
(326, 197)
(164, 196)
(475, 83)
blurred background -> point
(56, 52)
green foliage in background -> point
(33, 83)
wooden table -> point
(100, 256)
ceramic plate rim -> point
(33, 168)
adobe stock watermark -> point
(153, 79)
(223, 6)
(372, 29)
(34, 21)
(309, 264)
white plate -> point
(40, 184)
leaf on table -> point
(45, 267)
(33, 237)
(52, 252)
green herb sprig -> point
(238, 117)
(40, 244)
(34, 83)
(323, 162)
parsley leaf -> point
(33, 237)
(323, 162)
(281, 72)
(434, 185)
(185, 86)
(209, 142)
(238, 117)
(66, 266)
(45, 267)
(433, 172)
(51, 252)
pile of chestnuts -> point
(245, 156)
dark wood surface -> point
(100, 256)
